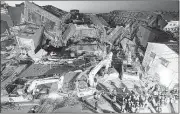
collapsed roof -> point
(55, 11)
(98, 21)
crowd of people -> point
(132, 102)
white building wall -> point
(168, 75)
(24, 42)
(172, 26)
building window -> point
(164, 62)
(42, 18)
(153, 55)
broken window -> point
(164, 62)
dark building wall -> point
(21, 6)
(31, 7)
(4, 26)
(148, 34)
(7, 18)
(36, 14)
(15, 14)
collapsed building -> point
(91, 63)
(143, 17)
(147, 34)
(54, 20)
(115, 34)
(78, 32)
(91, 47)
(30, 41)
(44, 15)
(101, 23)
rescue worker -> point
(140, 101)
(133, 109)
(114, 95)
(128, 107)
(96, 100)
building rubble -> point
(84, 63)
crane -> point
(90, 74)
(106, 62)
(31, 86)
(35, 83)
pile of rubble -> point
(101, 74)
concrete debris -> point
(114, 35)
(89, 46)
(58, 61)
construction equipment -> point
(26, 91)
(35, 83)
(88, 78)
(106, 62)
(82, 88)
